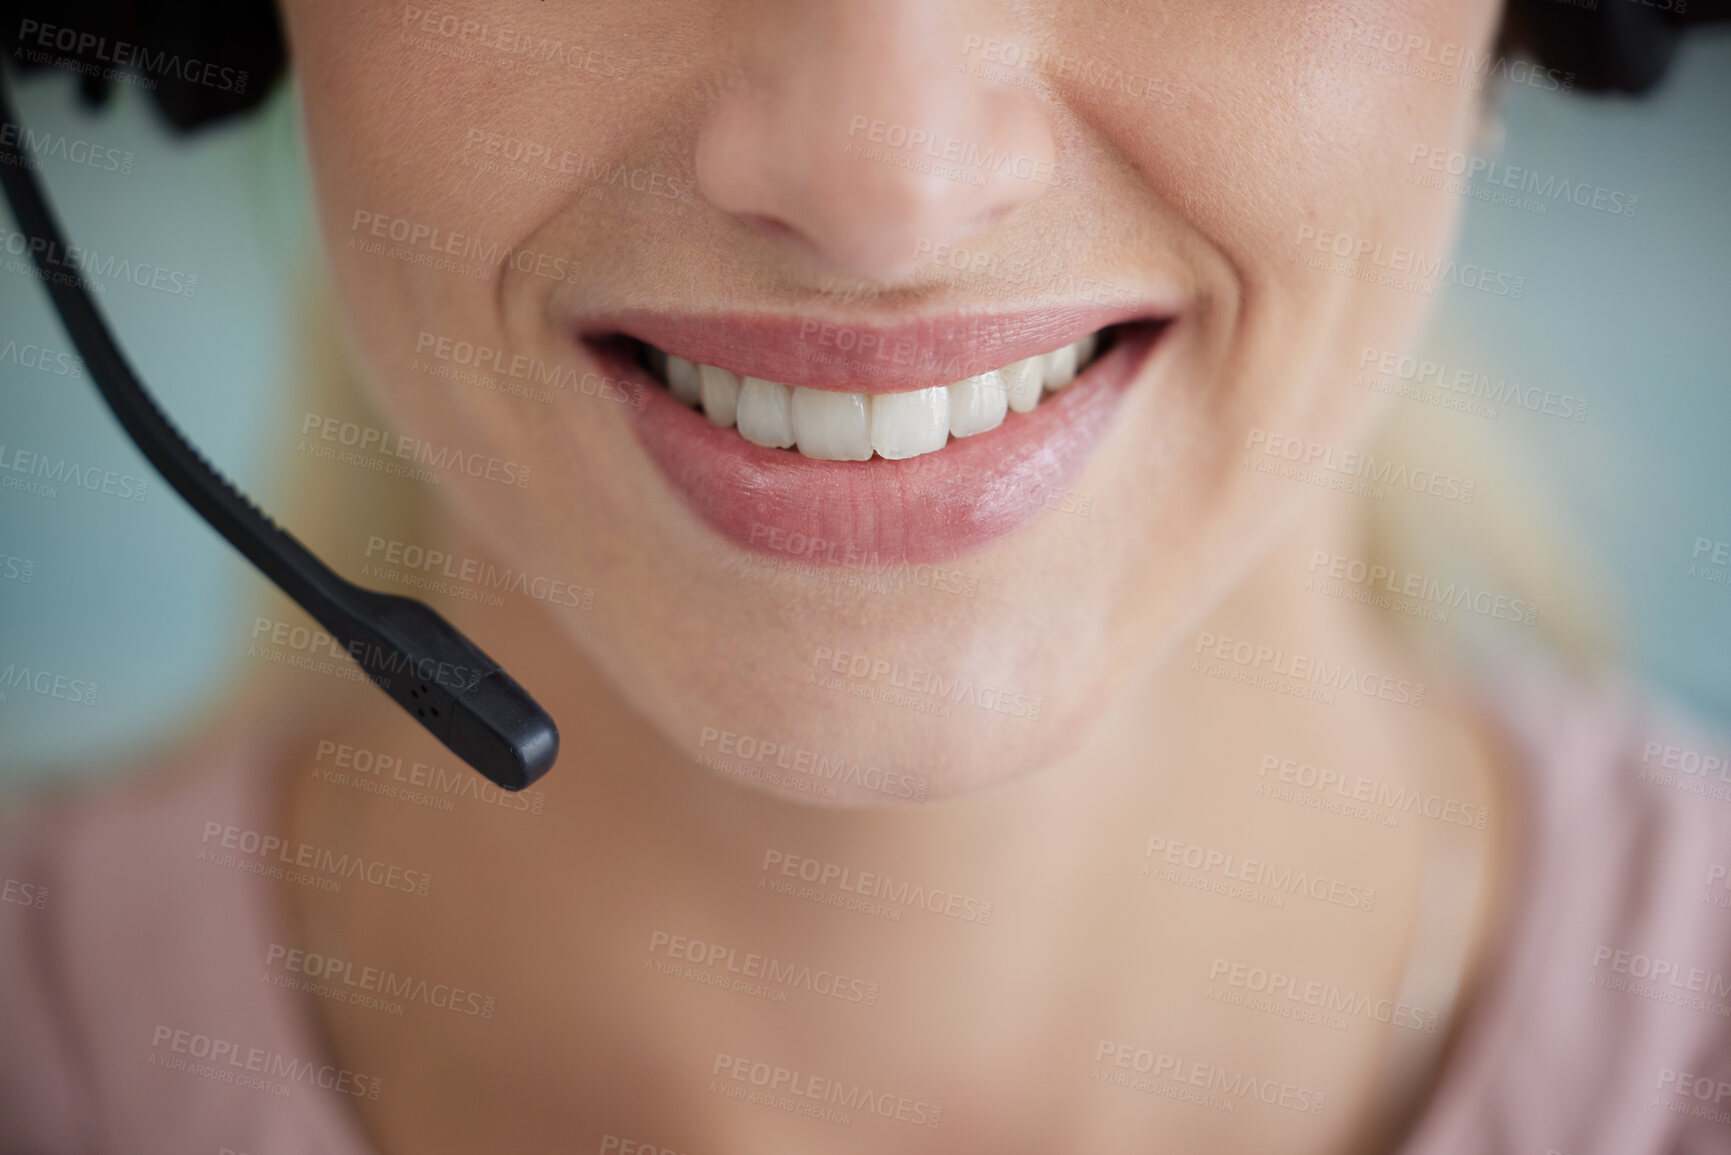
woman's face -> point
(537, 213)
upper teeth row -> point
(852, 426)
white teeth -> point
(832, 426)
(1060, 368)
(720, 390)
(765, 414)
(682, 379)
(976, 405)
(1022, 382)
(835, 426)
(911, 423)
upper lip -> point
(855, 356)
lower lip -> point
(930, 508)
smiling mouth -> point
(834, 425)
(915, 441)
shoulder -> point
(137, 975)
(41, 1083)
(1603, 1022)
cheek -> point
(397, 140)
(1297, 174)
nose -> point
(856, 128)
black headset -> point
(460, 695)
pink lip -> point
(858, 357)
(862, 513)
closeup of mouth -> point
(872, 445)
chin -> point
(891, 710)
(828, 747)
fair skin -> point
(1265, 124)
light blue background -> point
(142, 598)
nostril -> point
(771, 228)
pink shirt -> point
(138, 1012)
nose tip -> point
(873, 154)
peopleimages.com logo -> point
(36, 40)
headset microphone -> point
(460, 695)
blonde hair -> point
(1515, 537)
